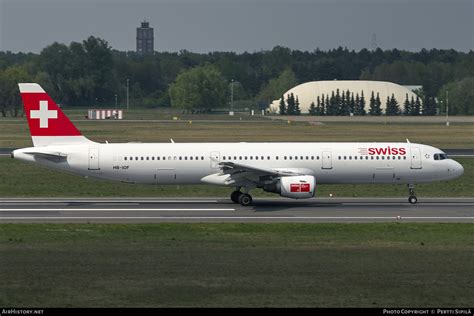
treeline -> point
(91, 73)
(345, 103)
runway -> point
(266, 210)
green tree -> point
(412, 106)
(282, 105)
(277, 86)
(392, 107)
(417, 107)
(323, 106)
(313, 110)
(357, 105)
(461, 97)
(429, 106)
(297, 110)
(372, 106)
(291, 104)
(352, 104)
(406, 106)
(332, 106)
(9, 93)
(337, 103)
(201, 88)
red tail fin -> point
(48, 124)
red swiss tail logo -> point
(44, 116)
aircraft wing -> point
(240, 174)
(233, 168)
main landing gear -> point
(412, 198)
(241, 198)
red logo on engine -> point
(300, 187)
(305, 187)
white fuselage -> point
(188, 163)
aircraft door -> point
(384, 175)
(215, 159)
(415, 158)
(165, 176)
(94, 159)
(327, 160)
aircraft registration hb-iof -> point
(288, 169)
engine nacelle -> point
(295, 187)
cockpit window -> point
(440, 156)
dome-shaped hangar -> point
(309, 91)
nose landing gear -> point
(412, 198)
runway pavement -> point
(222, 210)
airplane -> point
(291, 170)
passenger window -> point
(291, 157)
(263, 158)
(339, 157)
(350, 157)
(284, 157)
(147, 158)
(268, 157)
(245, 157)
(296, 157)
(276, 157)
(185, 157)
(355, 157)
(251, 157)
(153, 158)
(125, 158)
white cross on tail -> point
(43, 114)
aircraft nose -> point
(455, 169)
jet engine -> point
(295, 187)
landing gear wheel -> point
(411, 190)
(235, 196)
(245, 199)
(412, 199)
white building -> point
(309, 91)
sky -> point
(241, 25)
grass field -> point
(15, 134)
(19, 179)
(230, 265)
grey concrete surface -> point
(221, 210)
